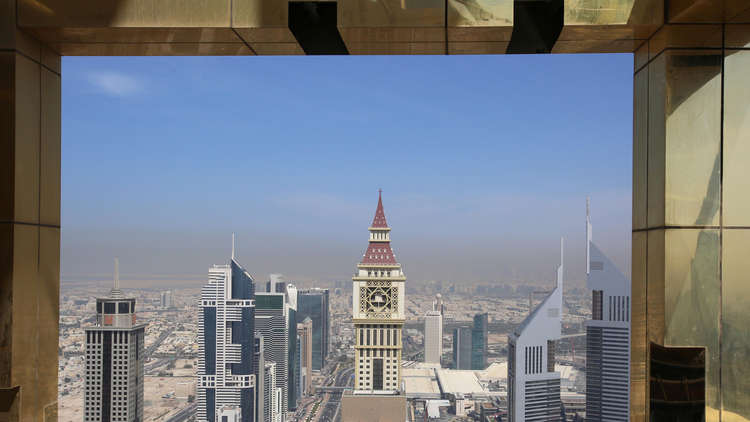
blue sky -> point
(484, 162)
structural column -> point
(691, 225)
(29, 223)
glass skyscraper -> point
(462, 348)
(479, 341)
(313, 303)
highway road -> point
(331, 410)
(184, 414)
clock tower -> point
(378, 311)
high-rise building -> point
(113, 381)
(305, 332)
(378, 312)
(462, 348)
(272, 394)
(533, 384)
(259, 368)
(167, 299)
(271, 322)
(433, 332)
(314, 304)
(226, 371)
(292, 361)
(479, 334)
(276, 284)
(607, 337)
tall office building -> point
(533, 384)
(271, 322)
(305, 333)
(292, 358)
(462, 348)
(607, 337)
(378, 311)
(272, 394)
(433, 332)
(259, 368)
(276, 284)
(113, 381)
(226, 371)
(479, 333)
(167, 299)
(314, 304)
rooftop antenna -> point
(232, 246)
(117, 274)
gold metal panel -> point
(640, 149)
(597, 12)
(737, 36)
(595, 46)
(685, 36)
(655, 267)
(735, 334)
(478, 34)
(6, 303)
(640, 56)
(260, 14)
(129, 35)
(392, 35)
(638, 341)
(25, 325)
(480, 47)
(49, 186)
(51, 59)
(692, 300)
(277, 49)
(153, 49)
(391, 13)
(684, 138)
(375, 48)
(657, 92)
(737, 138)
(26, 122)
(695, 11)
(47, 292)
(266, 35)
(7, 139)
(482, 13)
(124, 13)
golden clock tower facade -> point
(378, 312)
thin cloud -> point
(115, 84)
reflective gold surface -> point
(7, 119)
(597, 12)
(638, 341)
(49, 186)
(685, 36)
(657, 92)
(689, 11)
(692, 301)
(735, 340)
(655, 293)
(640, 148)
(26, 123)
(737, 36)
(496, 13)
(737, 138)
(640, 56)
(47, 293)
(152, 49)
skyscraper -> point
(378, 311)
(271, 322)
(533, 384)
(305, 332)
(433, 332)
(226, 324)
(479, 334)
(113, 381)
(167, 299)
(272, 394)
(462, 348)
(292, 358)
(314, 304)
(259, 369)
(607, 337)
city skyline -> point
(497, 205)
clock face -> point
(378, 299)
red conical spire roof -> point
(379, 220)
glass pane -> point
(735, 341)
(737, 138)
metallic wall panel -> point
(152, 49)
(737, 36)
(640, 148)
(49, 184)
(7, 138)
(27, 110)
(655, 293)
(493, 13)
(47, 292)
(696, 11)
(657, 92)
(598, 12)
(692, 299)
(124, 13)
(736, 205)
(685, 36)
(640, 56)
(6, 303)
(638, 341)
(25, 326)
(735, 340)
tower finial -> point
(588, 206)
(117, 274)
(232, 245)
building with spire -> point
(114, 356)
(226, 380)
(607, 336)
(378, 311)
(533, 384)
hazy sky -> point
(484, 162)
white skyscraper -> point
(378, 312)
(433, 332)
(533, 384)
(113, 378)
(272, 322)
(225, 375)
(607, 337)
